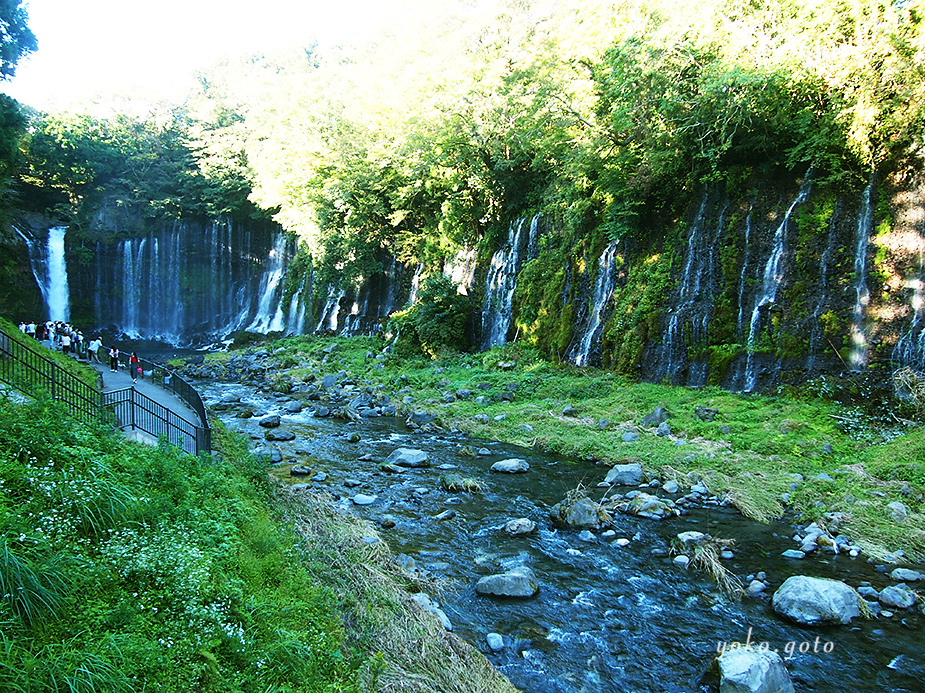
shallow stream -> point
(606, 618)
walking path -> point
(121, 379)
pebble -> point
(793, 553)
(682, 561)
(622, 541)
(495, 642)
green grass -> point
(751, 452)
(125, 567)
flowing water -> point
(49, 270)
(603, 290)
(606, 619)
(858, 358)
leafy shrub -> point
(438, 321)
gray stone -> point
(495, 642)
(587, 535)
(664, 430)
(897, 596)
(629, 437)
(692, 538)
(670, 487)
(898, 511)
(569, 410)
(753, 671)
(271, 421)
(463, 393)
(408, 457)
(907, 575)
(815, 601)
(682, 561)
(520, 527)
(519, 582)
(363, 499)
(705, 413)
(793, 553)
(279, 434)
(755, 588)
(659, 415)
(625, 474)
(330, 380)
(482, 418)
(514, 465)
(582, 514)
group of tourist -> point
(63, 336)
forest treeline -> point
(457, 119)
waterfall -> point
(328, 320)
(910, 349)
(416, 284)
(690, 286)
(506, 263)
(269, 316)
(59, 307)
(603, 290)
(748, 233)
(129, 289)
(49, 269)
(858, 358)
(770, 282)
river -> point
(607, 618)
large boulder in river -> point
(519, 582)
(815, 601)
(744, 670)
(271, 421)
(581, 514)
(625, 474)
(407, 457)
(514, 465)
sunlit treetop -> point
(16, 39)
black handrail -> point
(30, 372)
(169, 380)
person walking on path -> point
(114, 359)
(134, 366)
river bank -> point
(802, 456)
(615, 608)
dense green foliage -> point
(438, 321)
(123, 565)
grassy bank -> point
(836, 463)
(127, 568)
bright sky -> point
(92, 48)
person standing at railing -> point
(114, 359)
(134, 366)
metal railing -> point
(32, 373)
(169, 380)
(132, 408)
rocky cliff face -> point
(767, 281)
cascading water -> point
(910, 349)
(743, 273)
(330, 314)
(49, 269)
(603, 290)
(269, 316)
(858, 357)
(461, 270)
(59, 307)
(506, 263)
(771, 280)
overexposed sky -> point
(92, 48)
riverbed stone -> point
(582, 514)
(495, 642)
(815, 601)
(364, 499)
(271, 421)
(408, 457)
(625, 474)
(514, 465)
(519, 582)
(753, 671)
(520, 526)
(897, 597)
(651, 507)
(907, 575)
(279, 434)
